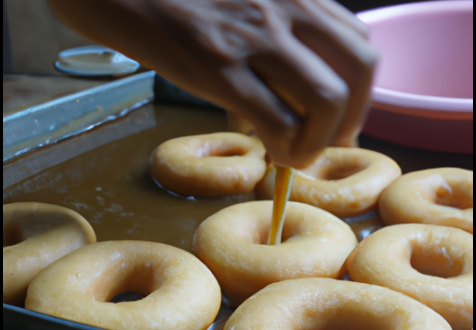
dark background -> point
(33, 36)
(359, 5)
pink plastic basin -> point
(423, 91)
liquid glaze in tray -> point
(103, 174)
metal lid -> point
(94, 61)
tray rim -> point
(50, 122)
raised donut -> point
(442, 196)
(326, 304)
(181, 293)
(232, 243)
(432, 264)
(209, 165)
(343, 181)
(34, 236)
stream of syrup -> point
(282, 190)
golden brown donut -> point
(432, 264)
(209, 165)
(34, 236)
(181, 293)
(326, 304)
(442, 196)
(343, 181)
(232, 243)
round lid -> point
(94, 61)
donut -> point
(209, 165)
(232, 243)
(180, 292)
(432, 264)
(34, 236)
(346, 182)
(327, 304)
(442, 196)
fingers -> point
(323, 74)
(311, 89)
(274, 122)
(298, 70)
(351, 57)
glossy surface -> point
(232, 243)
(182, 293)
(112, 188)
(34, 236)
(324, 304)
(441, 196)
(431, 264)
(346, 182)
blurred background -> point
(33, 36)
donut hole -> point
(228, 152)
(346, 319)
(260, 234)
(453, 197)
(335, 172)
(127, 297)
(135, 285)
(12, 234)
(435, 262)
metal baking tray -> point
(59, 119)
(54, 149)
(42, 146)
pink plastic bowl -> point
(423, 91)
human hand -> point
(299, 70)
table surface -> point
(23, 91)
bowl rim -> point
(417, 104)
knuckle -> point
(363, 28)
(259, 8)
(336, 94)
(368, 58)
(372, 56)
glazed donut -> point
(327, 304)
(209, 165)
(442, 196)
(232, 243)
(34, 236)
(432, 264)
(181, 293)
(343, 181)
